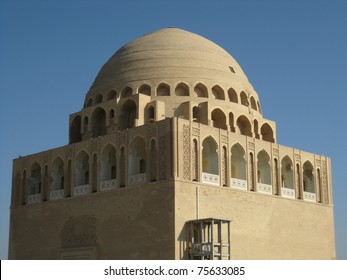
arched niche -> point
(218, 92)
(82, 169)
(75, 130)
(218, 119)
(200, 90)
(108, 163)
(264, 168)
(145, 89)
(163, 90)
(210, 156)
(267, 133)
(287, 173)
(182, 90)
(99, 122)
(57, 175)
(244, 126)
(238, 162)
(232, 95)
(137, 156)
(308, 177)
(127, 116)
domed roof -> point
(168, 54)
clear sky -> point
(293, 52)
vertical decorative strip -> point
(186, 153)
(251, 172)
(195, 160)
(224, 166)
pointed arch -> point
(145, 89)
(137, 161)
(231, 122)
(163, 90)
(287, 174)
(308, 177)
(244, 126)
(244, 99)
(200, 90)
(182, 90)
(75, 130)
(210, 156)
(218, 119)
(126, 92)
(89, 102)
(128, 115)
(108, 163)
(256, 129)
(264, 168)
(99, 122)
(218, 92)
(267, 133)
(253, 104)
(112, 94)
(82, 169)
(232, 95)
(57, 175)
(35, 182)
(238, 162)
(98, 99)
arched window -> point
(182, 90)
(163, 90)
(151, 114)
(232, 95)
(196, 114)
(244, 99)
(57, 175)
(75, 130)
(256, 129)
(253, 104)
(82, 169)
(308, 178)
(218, 92)
(127, 92)
(98, 99)
(244, 126)
(89, 102)
(137, 161)
(259, 108)
(264, 172)
(112, 94)
(85, 124)
(200, 90)
(287, 175)
(210, 162)
(154, 160)
(219, 119)
(267, 133)
(238, 167)
(145, 89)
(99, 122)
(231, 122)
(35, 179)
(127, 115)
(108, 164)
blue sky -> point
(293, 52)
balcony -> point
(238, 184)
(137, 179)
(34, 198)
(57, 194)
(290, 193)
(210, 179)
(308, 196)
(80, 190)
(108, 185)
(264, 188)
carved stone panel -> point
(186, 152)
